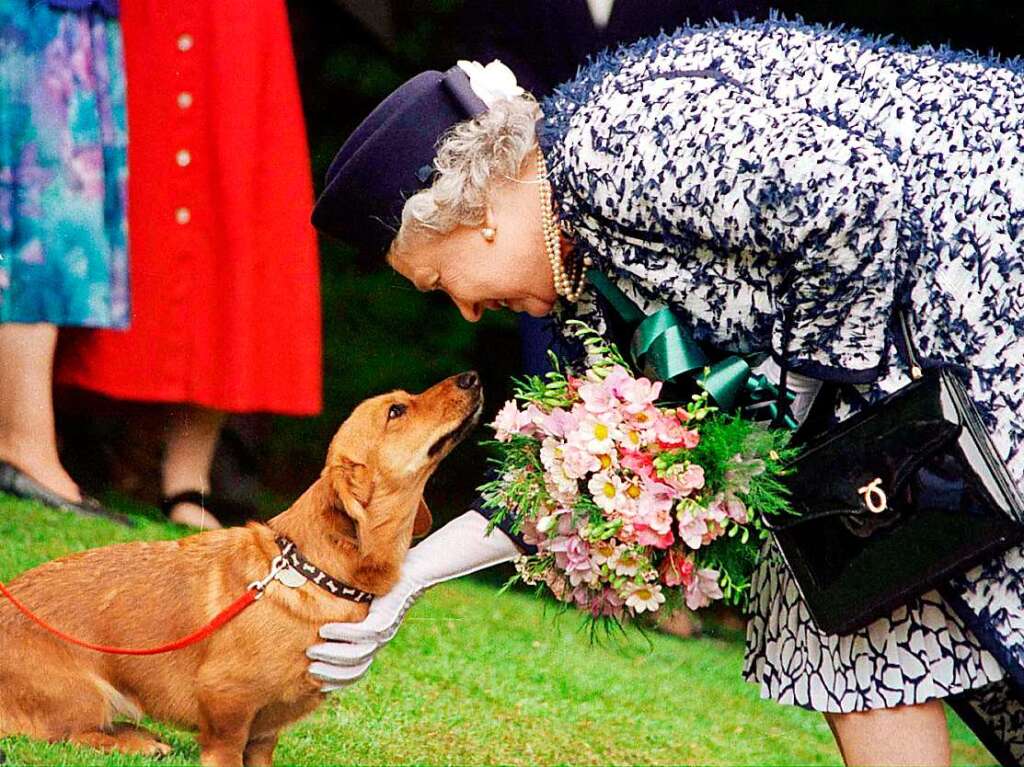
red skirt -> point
(223, 259)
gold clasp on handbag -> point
(874, 496)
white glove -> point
(805, 389)
(459, 548)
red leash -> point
(254, 592)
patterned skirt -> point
(63, 167)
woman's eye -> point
(395, 411)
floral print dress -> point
(63, 165)
(784, 188)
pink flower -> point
(606, 603)
(647, 536)
(506, 423)
(703, 589)
(717, 511)
(578, 463)
(638, 394)
(737, 511)
(676, 568)
(725, 507)
(643, 420)
(692, 527)
(581, 596)
(571, 553)
(670, 432)
(641, 464)
(618, 380)
(597, 398)
(685, 478)
(558, 423)
(655, 516)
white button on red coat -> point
(184, 100)
(185, 42)
(182, 215)
(183, 158)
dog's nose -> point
(468, 380)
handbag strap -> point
(909, 350)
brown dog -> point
(244, 684)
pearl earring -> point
(488, 233)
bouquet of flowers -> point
(633, 506)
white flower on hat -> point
(491, 83)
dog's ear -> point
(424, 520)
(352, 482)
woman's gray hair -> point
(471, 158)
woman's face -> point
(512, 270)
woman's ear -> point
(424, 520)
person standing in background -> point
(225, 275)
(63, 250)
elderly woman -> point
(784, 189)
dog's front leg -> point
(259, 751)
(224, 723)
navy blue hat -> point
(389, 157)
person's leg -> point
(906, 735)
(28, 438)
(191, 441)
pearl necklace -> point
(553, 238)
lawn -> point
(478, 678)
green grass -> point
(480, 678)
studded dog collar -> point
(299, 570)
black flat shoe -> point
(14, 481)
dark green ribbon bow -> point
(665, 351)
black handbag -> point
(896, 500)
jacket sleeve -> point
(700, 161)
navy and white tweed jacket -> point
(784, 188)
(750, 174)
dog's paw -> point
(158, 750)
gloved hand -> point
(805, 388)
(461, 547)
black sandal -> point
(228, 513)
(168, 502)
(16, 482)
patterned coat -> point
(784, 188)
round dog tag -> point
(291, 577)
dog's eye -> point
(396, 411)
